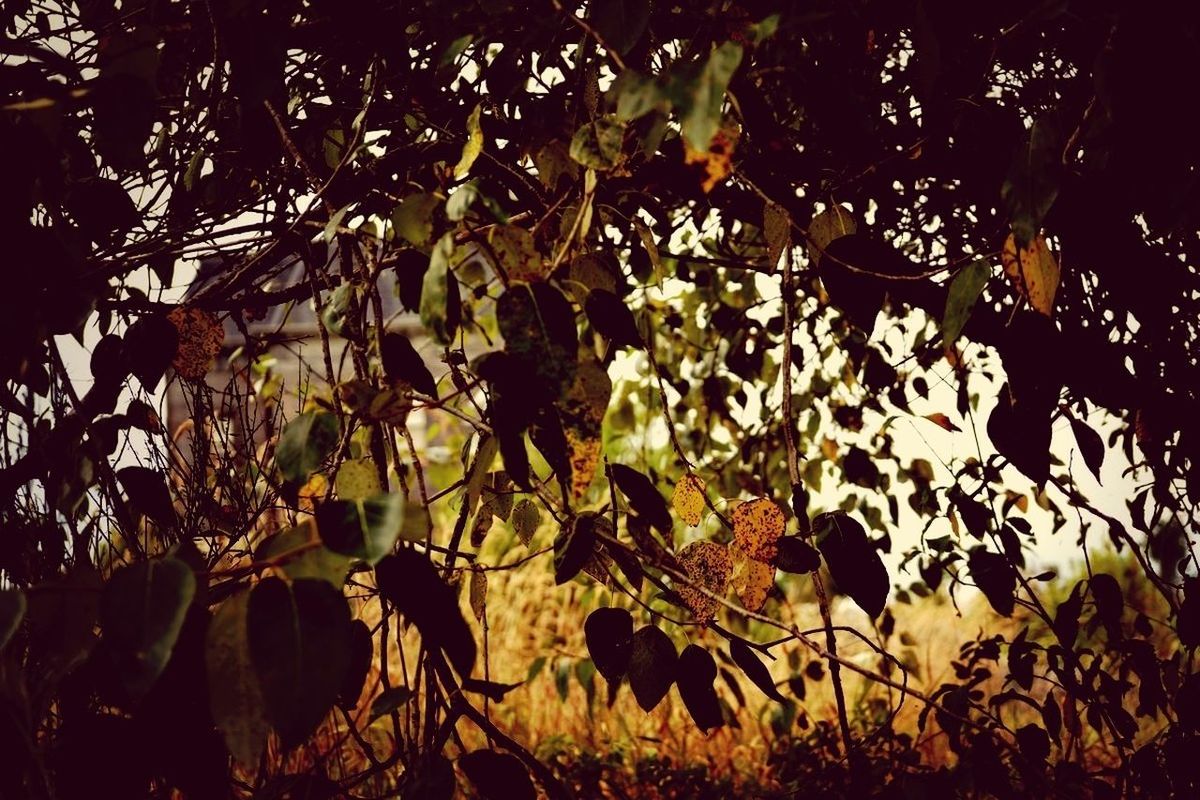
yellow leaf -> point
(357, 479)
(707, 565)
(517, 253)
(716, 162)
(472, 147)
(583, 414)
(1033, 270)
(200, 339)
(312, 492)
(832, 223)
(752, 579)
(688, 499)
(757, 526)
(829, 449)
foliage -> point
(719, 250)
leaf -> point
(831, 224)
(473, 145)
(701, 99)
(525, 519)
(1110, 603)
(609, 636)
(299, 552)
(637, 95)
(582, 412)
(653, 666)
(708, 566)
(797, 556)
(304, 444)
(612, 319)
(439, 308)
(714, 162)
(853, 561)
(402, 362)
(150, 345)
(964, 292)
(620, 22)
(516, 251)
(1091, 446)
(943, 422)
(198, 341)
(777, 230)
(757, 526)
(751, 579)
(597, 144)
(697, 671)
(643, 497)
(141, 613)
(299, 636)
(688, 499)
(389, 700)
(1033, 179)
(109, 364)
(359, 656)
(365, 529)
(234, 696)
(754, 669)
(357, 479)
(538, 327)
(1033, 271)
(413, 218)
(409, 581)
(148, 493)
(497, 776)
(478, 593)
(12, 611)
(574, 546)
(996, 578)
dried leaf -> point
(757, 526)
(688, 499)
(516, 251)
(942, 421)
(200, 336)
(473, 145)
(716, 162)
(752, 579)
(832, 223)
(777, 229)
(1033, 271)
(478, 593)
(708, 566)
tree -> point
(801, 208)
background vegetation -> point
(745, 333)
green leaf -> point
(638, 95)
(620, 23)
(964, 291)
(299, 643)
(234, 696)
(12, 610)
(413, 218)
(141, 614)
(365, 529)
(1033, 180)
(597, 144)
(304, 445)
(472, 147)
(333, 315)
(299, 552)
(439, 293)
(701, 99)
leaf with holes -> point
(688, 498)
(708, 566)
(757, 526)
(198, 341)
(582, 413)
(777, 230)
(525, 519)
(597, 144)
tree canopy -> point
(680, 269)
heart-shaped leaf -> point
(653, 666)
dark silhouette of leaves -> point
(497, 776)
(644, 497)
(150, 345)
(697, 671)
(148, 493)
(754, 669)
(409, 581)
(575, 544)
(402, 362)
(1090, 445)
(996, 578)
(612, 318)
(609, 635)
(360, 653)
(653, 666)
(853, 561)
(796, 555)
